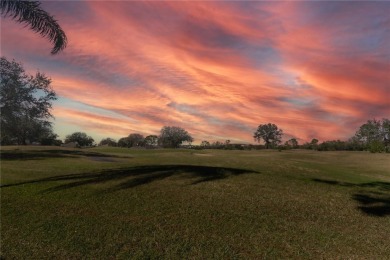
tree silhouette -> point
(25, 103)
(269, 133)
(173, 136)
(30, 13)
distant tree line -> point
(373, 136)
(170, 137)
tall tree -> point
(81, 138)
(151, 140)
(31, 14)
(314, 144)
(293, 142)
(135, 140)
(108, 141)
(205, 143)
(25, 103)
(173, 136)
(123, 142)
(375, 133)
(269, 133)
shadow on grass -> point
(55, 153)
(376, 184)
(141, 175)
(372, 203)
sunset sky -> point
(317, 69)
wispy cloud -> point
(218, 69)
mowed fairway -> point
(121, 203)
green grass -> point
(122, 203)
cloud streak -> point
(218, 69)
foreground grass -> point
(121, 203)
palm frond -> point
(30, 13)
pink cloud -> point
(217, 69)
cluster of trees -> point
(80, 139)
(373, 136)
(170, 137)
(138, 140)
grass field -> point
(121, 203)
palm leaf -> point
(30, 13)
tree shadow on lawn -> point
(141, 175)
(372, 203)
(55, 153)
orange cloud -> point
(318, 70)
